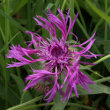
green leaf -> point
(6, 45)
(87, 36)
(18, 5)
(98, 11)
(12, 20)
(12, 99)
(30, 107)
(80, 106)
(95, 89)
(25, 104)
(58, 104)
(20, 84)
(49, 6)
(83, 5)
(106, 42)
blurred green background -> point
(16, 16)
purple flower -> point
(61, 60)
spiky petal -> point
(59, 57)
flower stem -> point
(102, 80)
(102, 59)
(26, 103)
(35, 106)
(22, 97)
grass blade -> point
(12, 21)
(98, 11)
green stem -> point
(94, 46)
(99, 61)
(81, 106)
(29, 14)
(96, 73)
(98, 11)
(102, 59)
(72, 6)
(25, 104)
(7, 24)
(87, 36)
(102, 80)
(69, 104)
(104, 16)
(105, 26)
(7, 34)
(2, 34)
(34, 106)
(80, 14)
(12, 21)
(63, 5)
(6, 45)
(22, 97)
(56, 5)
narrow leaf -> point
(98, 11)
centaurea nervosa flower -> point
(60, 58)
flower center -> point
(57, 51)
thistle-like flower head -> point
(60, 59)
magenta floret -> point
(59, 57)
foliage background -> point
(16, 16)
